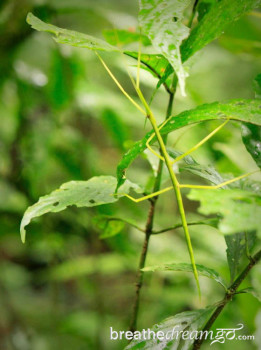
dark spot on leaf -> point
(55, 204)
(92, 201)
(175, 19)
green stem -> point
(149, 224)
(175, 185)
(227, 298)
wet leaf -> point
(190, 321)
(162, 22)
(70, 37)
(96, 191)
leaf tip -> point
(23, 235)
(29, 17)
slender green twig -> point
(232, 290)
(201, 222)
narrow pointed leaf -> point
(70, 37)
(214, 22)
(184, 267)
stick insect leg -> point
(222, 184)
(137, 200)
(194, 148)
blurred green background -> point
(63, 119)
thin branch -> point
(232, 290)
(202, 222)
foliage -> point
(65, 125)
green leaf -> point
(109, 227)
(214, 16)
(214, 22)
(156, 64)
(203, 8)
(236, 247)
(95, 191)
(186, 321)
(162, 21)
(121, 37)
(184, 267)
(65, 36)
(240, 210)
(206, 172)
(238, 109)
(165, 80)
(251, 136)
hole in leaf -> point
(92, 201)
(55, 204)
(175, 19)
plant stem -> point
(228, 297)
(201, 222)
(149, 223)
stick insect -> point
(164, 156)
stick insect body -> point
(176, 186)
